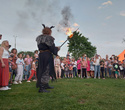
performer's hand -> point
(58, 48)
(3, 65)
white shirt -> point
(62, 65)
(19, 61)
(74, 64)
(97, 62)
(5, 54)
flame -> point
(69, 32)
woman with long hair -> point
(4, 65)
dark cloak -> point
(46, 62)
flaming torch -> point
(70, 35)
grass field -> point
(68, 94)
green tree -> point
(30, 53)
(79, 45)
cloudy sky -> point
(102, 21)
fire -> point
(69, 33)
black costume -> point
(47, 48)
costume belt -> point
(41, 51)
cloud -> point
(75, 24)
(105, 4)
(122, 13)
(61, 41)
(108, 17)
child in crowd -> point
(79, 66)
(71, 70)
(26, 70)
(62, 69)
(92, 67)
(121, 70)
(19, 75)
(11, 63)
(110, 66)
(33, 70)
(66, 70)
(102, 68)
(116, 68)
(36, 54)
(84, 67)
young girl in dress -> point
(19, 76)
(33, 70)
(84, 67)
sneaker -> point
(3, 88)
(20, 82)
(94, 77)
(8, 87)
(34, 80)
(28, 81)
(15, 82)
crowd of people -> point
(14, 68)
(17, 67)
(85, 67)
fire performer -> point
(46, 46)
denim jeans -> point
(74, 71)
(97, 70)
(105, 72)
(110, 71)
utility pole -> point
(15, 40)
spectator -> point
(57, 64)
(11, 64)
(110, 66)
(14, 66)
(84, 67)
(68, 59)
(97, 66)
(116, 68)
(106, 65)
(71, 69)
(33, 70)
(102, 68)
(28, 60)
(79, 66)
(19, 76)
(4, 66)
(26, 70)
(62, 68)
(92, 67)
(74, 67)
(36, 54)
(88, 68)
(66, 70)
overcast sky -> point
(102, 21)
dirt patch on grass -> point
(81, 101)
(87, 84)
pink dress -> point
(88, 68)
(78, 65)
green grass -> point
(68, 94)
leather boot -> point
(48, 87)
(42, 88)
